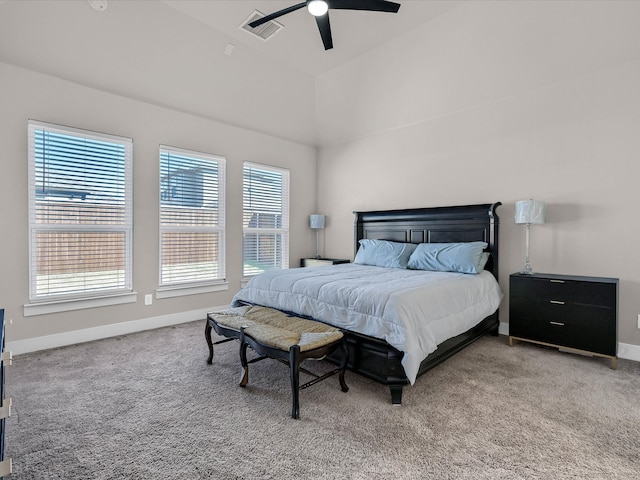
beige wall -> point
(499, 101)
(25, 95)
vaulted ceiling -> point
(298, 44)
(172, 53)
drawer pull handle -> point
(556, 281)
(557, 302)
(557, 323)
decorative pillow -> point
(464, 257)
(383, 253)
(484, 258)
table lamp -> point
(529, 212)
(316, 222)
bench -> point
(274, 334)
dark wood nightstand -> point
(320, 262)
(566, 311)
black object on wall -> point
(5, 407)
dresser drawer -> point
(580, 326)
(566, 291)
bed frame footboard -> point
(376, 359)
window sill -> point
(179, 291)
(44, 308)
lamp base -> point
(527, 270)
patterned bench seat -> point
(274, 334)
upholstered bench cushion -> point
(277, 329)
(232, 318)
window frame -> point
(170, 289)
(82, 298)
(284, 229)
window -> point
(80, 213)
(265, 244)
(192, 221)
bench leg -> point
(244, 379)
(207, 336)
(294, 363)
(343, 366)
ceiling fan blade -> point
(325, 30)
(279, 13)
(372, 5)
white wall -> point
(149, 51)
(498, 101)
(25, 95)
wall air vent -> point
(264, 31)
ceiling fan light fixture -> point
(317, 8)
(320, 10)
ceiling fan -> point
(320, 10)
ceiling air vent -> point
(264, 31)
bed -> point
(387, 342)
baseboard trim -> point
(503, 329)
(46, 342)
(17, 347)
(629, 351)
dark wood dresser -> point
(565, 311)
(6, 465)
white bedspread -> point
(412, 310)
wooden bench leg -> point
(343, 365)
(294, 363)
(212, 325)
(207, 336)
(243, 360)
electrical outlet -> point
(148, 299)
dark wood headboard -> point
(466, 223)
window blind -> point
(192, 217)
(80, 212)
(265, 221)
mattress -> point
(412, 310)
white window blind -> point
(192, 217)
(265, 244)
(80, 213)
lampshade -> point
(317, 8)
(530, 212)
(316, 221)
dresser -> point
(6, 465)
(570, 312)
(320, 262)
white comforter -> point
(412, 310)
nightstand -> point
(321, 262)
(570, 312)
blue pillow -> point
(484, 258)
(383, 253)
(464, 257)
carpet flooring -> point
(147, 406)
